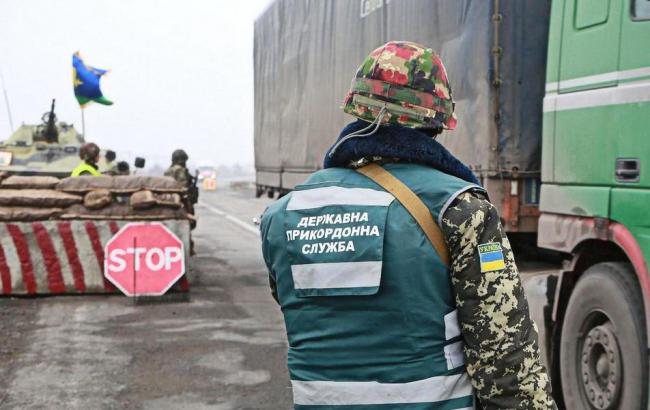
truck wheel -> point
(603, 361)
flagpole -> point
(4, 91)
(83, 123)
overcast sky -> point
(181, 72)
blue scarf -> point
(395, 141)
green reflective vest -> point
(367, 302)
(84, 168)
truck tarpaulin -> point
(306, 53)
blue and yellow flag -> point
(86, 82)
(491, 257)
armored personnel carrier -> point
(49, 148)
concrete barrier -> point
(65, 257)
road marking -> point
(246, 226)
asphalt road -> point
(223, 349)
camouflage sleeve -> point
(182, 176)
(501, 346)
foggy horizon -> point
(181, 75)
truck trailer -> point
(553, 104)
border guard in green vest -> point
(89, 154)
(396, 280)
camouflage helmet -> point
(179, 156)
(408, 82)
(89, 152)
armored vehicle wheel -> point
(603, 361)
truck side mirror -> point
(139, 162)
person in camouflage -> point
(178, 169)
(402, 90)
(501, 341)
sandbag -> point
(142, 200)
(120, 184)
(83, 184)
(123, 212)
(170, 200)
(98, 198)
(29, 182)
(37, 198)
(150, 183)
(28, 214)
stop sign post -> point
(144, 259)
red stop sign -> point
(144, 259)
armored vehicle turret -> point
(49, 148)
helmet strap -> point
(360, 133)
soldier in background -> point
(122, 168)
(89, 154)
(178, 170)
(375, 313)
(116, 168)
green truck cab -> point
(595, 200)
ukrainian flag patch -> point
(491, 256)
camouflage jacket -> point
(180, 174)
(501, 342)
